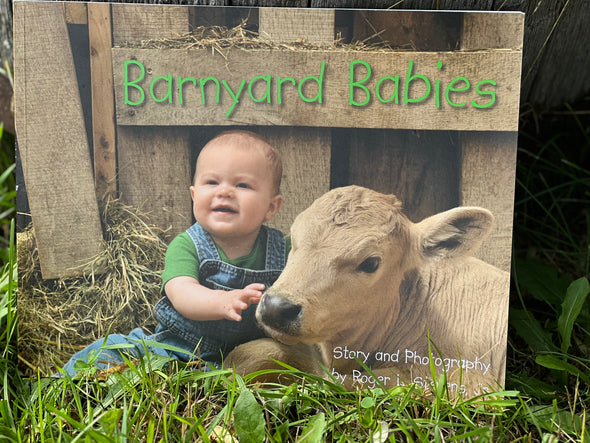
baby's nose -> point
(226, 191)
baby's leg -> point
(101, 358)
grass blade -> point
(570, 309)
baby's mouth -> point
(225, 209)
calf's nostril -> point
(277, 311)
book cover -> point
(115, 101)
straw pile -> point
(60, 317)
(219, 38)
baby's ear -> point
(275, 204)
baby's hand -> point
(240, 299)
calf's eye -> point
(369, 265)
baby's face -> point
(233, 191)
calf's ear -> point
(454, 233)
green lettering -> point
(127, 83)
(394, 96)
(413, 77)
(181, 82)
(492, 94)
(168, 95)
(319, 80)
(265, 78)
(439, 65)
(359, 84)
(202, 83)
(451, 88)
(235, 97)
(280, 82)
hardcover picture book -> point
(387, 246)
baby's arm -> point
(197, 302)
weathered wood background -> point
(65, 59)
(556, 58)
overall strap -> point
(204, 243)
(275, 248)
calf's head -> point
(350, 252)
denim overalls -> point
(218, 337)
(209, 340)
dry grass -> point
(219, 38)
(59, 317)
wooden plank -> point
(103, 101)
(76, 13)
(419, 167)
(134, 23)
(488, 178)
(54, 151)
(410, 30)
(489, 160)
(305, 153)
(290, 24)
(492, 31)
(154, 174)
(238, 67)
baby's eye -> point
(243, 186)
(211, 182)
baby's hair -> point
(270, 153)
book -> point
(114, 101)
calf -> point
(362, 282)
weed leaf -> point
(542, 281)
(570, 309)
(552, 362)
(314, 430)
(538, 338)
(248, 418)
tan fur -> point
(426, 283)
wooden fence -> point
(80, 142)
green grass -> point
(548, 386)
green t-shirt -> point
(182, 258)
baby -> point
(216, 271)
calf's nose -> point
(278, 312)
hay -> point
(59, 317)
(219, 38)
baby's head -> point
(247, 140)
(236, 186)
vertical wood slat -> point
(54, 150)
(488, 172)
(76, 13)
(415, 166)
(420, 168)
(489, 160)
(305, 151)
(103, 107)
(154, 162)
(288, 25)
(154, 174)
(136, 22)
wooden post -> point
(154, 162)
(154, 174)
(419, 167)
(488, 164)
(54, 148)
(305, 151)
(103, 105)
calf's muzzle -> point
(278, 313)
